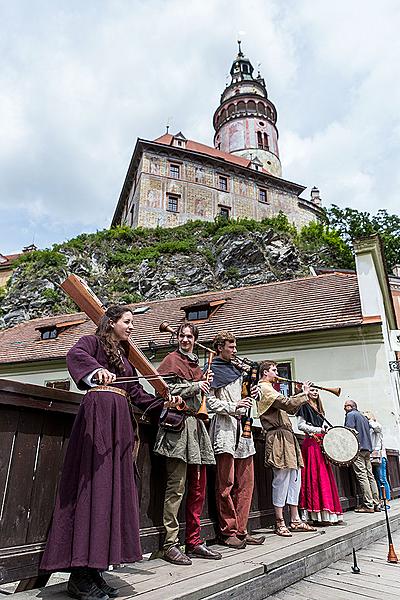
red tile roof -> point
(323, 302)
(167, 140)
(9, 258)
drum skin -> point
(340, 446)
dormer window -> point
(48, 333)
(51, 331)
(202, 311)
(179, 140)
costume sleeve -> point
(220, 405)
(185, 389)
(290, 404)
(148, 403)
(81, 360)
(306, 427)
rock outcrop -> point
(126, 265)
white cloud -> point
(79, 82)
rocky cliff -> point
(125, 265)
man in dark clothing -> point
(362, 465)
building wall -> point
(354, 362)
(359, 369)
(200, 196)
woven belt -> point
(108, 388)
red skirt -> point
(319, 491)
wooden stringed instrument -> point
(82, 295)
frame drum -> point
(340, 446)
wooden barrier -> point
(35, 423)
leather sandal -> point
(301, 526)
(281, 529)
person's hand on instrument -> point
(255, 392)
(307, 385)
(244, 403)
(204, 386)
(105, 377)
(173, 402)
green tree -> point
(351, 224)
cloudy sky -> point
(80, 81)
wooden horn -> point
(337, 391)
(165, 326)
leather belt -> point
(108, 388)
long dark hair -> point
(112, 347)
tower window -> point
(174, 170)
(245, 69)
(223, 183)
(262, 195)
(259, 140)
(173, 203)
(266, 145)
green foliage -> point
(318, 238)
(232, 273)
(50, 294)
(40, 259)
(352, 224)
(129, 298)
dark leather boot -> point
(102, 584)
(82, 587)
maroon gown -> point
(96, 516)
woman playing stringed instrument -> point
(96, 517)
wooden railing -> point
(35, 423)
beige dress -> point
(282, 450)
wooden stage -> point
(255, 572)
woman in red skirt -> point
(319, 499)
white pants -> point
(286, 485)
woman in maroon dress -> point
(96, 517)
(319, 499)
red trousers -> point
(196, 492)
(234, 491)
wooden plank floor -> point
(377, 578)
(256, 569)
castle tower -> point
(245, 121)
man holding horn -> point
(282, 451)
(187, 450)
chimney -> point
(315, 197)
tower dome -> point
(245, 121)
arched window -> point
(266, 144)
(231, 109)
(251, 106)
(259, 139)
(241, 107)
(261, 108)
(269, 112)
